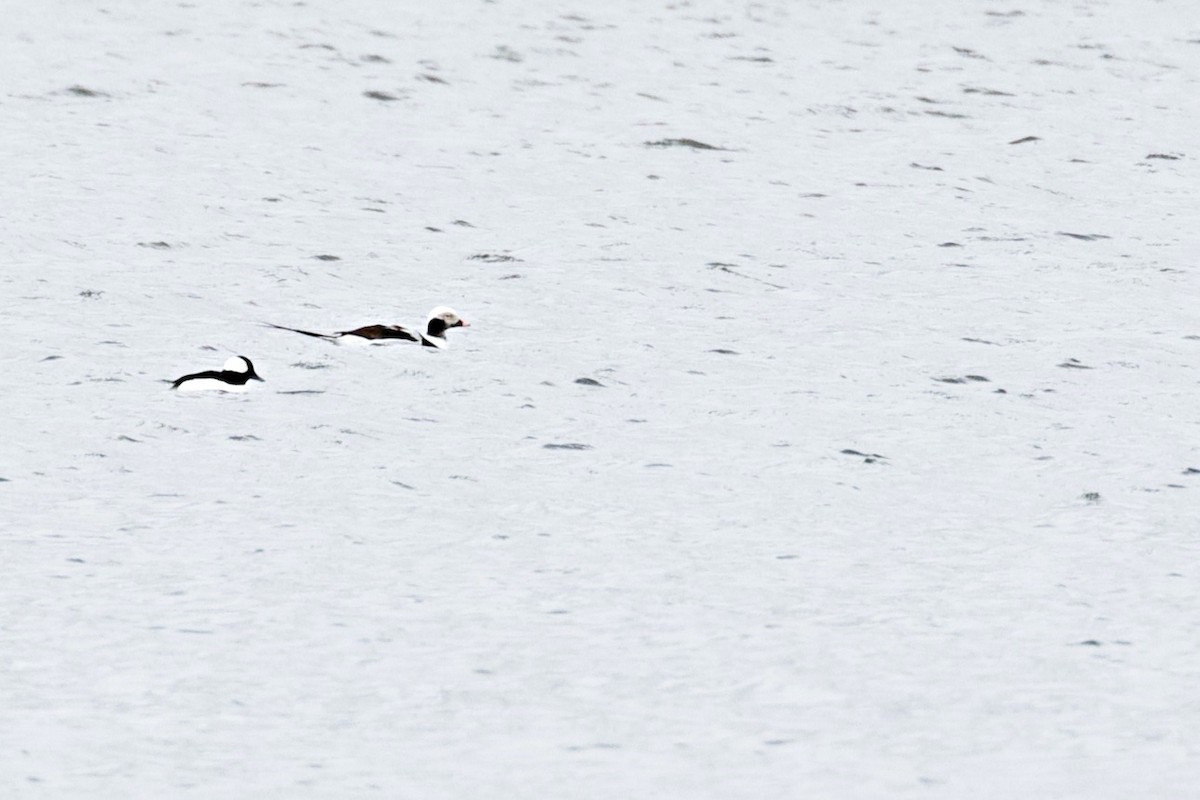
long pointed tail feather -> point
(329, 336)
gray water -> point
(818, 432)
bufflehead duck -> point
(233, 377)
(434, 335)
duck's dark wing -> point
(220, 376)
(306, 333)
(382, 332)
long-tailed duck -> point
(237, 372)
(434, 335)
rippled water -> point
(825, 425)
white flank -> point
(210, 385)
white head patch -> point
(445, 314)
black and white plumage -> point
(233, 377)
(440, 320)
